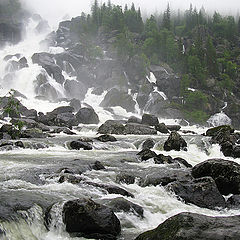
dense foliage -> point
(195, 45)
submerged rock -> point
(202, 192)
(106, 138)
(186, 226)
(175, 142)
(90, 219)
(80, 145)
(225, 173)
(148, 143)
(121, 204)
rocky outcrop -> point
(225, 173)
(224, 136)
(90, 219)
(175, 142)
(186, 226)
(111, 127)
(202, 192)
(118, 98)
(46, 60)
(116, 127)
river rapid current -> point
(29, 177)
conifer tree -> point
(211, 56)
(166, 18)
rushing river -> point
(32, 176)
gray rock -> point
(225, 173)
(175, 142)
(185, 226)
(87, 116)
(202, 192)
(149, 119)
(90, 219)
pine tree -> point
(166, 18)
(211, 58)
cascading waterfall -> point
(23, 80)
(31, 177)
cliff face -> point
(12, 18)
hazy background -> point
(55, 10)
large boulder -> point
(225, 173)
(61, 116)
(87, 116)
(111, 127)
(139, 129)
(202, 192)
(175, 142)
(118, 98)
(90, 219)
(46, 60)
(77, 145)
(149, 119)
(186, 226)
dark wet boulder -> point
(175, 142)
(139, 129)
(90, 219)
(67, 119)
(186, 226)
(77, 145)
(87, 116)
(134, 119)
(146, 154)
(202, 192)
(223, 128)
(183, 162)
(106, 138)
(148, 143)
(162, 128)
(164, 176)
(8, 131)
(111, 127)
(173, 127)
(97, 166)
(111, 189)
(149, 119)
(116, 97)
(120, 204)
(162, 159)
(125, 178)
(62, 109)
(225, 173)
(33, 133)
(46, 60)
